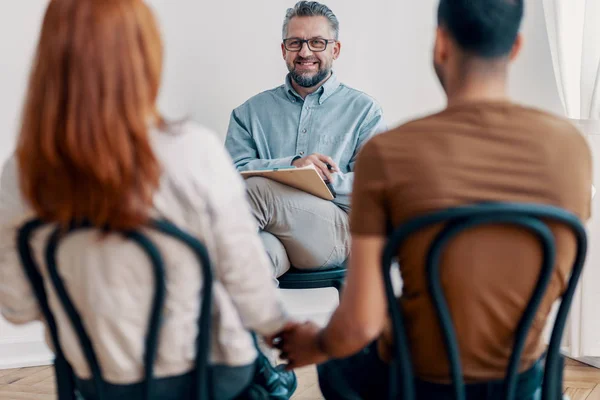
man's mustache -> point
(306, 60)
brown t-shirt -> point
(469, 153)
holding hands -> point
(300, 344)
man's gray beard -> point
(309, 81)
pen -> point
(329, 185)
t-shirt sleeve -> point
(591, 194)
(575, 172)
(368, 215)
(587, 172)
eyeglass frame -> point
(302, 41)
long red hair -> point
(84, 150)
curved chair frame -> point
(532, 217)
(64, 373)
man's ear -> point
(516, 50)
(337, 49)
(440, 50)
(283, 51)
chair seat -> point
(298, 275)
(303, 279)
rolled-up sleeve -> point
(344, 182)
(242, 148)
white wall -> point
(220, 53)
(219, 56)
(19, 26)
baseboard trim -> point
(15, 354)
(591, 361)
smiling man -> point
(312, 119)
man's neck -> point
(303, 91)
(484, 90)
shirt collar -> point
(325, 91)
(329, 87)
(289, 89)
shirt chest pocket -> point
(330, 140)
(338, 146)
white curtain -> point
(574, 34)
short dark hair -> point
(484, 28)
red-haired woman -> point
(93, 146)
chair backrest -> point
(532, 217)
(65, 377)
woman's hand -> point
(300, 345)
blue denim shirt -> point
(276, 126)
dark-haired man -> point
(482, 147)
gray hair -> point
(311, 9)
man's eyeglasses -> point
(314, 44)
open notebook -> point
(306, 179)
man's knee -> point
(276, 252)
(261, 199)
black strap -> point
(64, 374)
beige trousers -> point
(297, 228)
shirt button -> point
(301, 153)
(303, 130)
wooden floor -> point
(27, 384)
(581, 383)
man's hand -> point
(320, 162)
(275, 340)
(300, 345)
